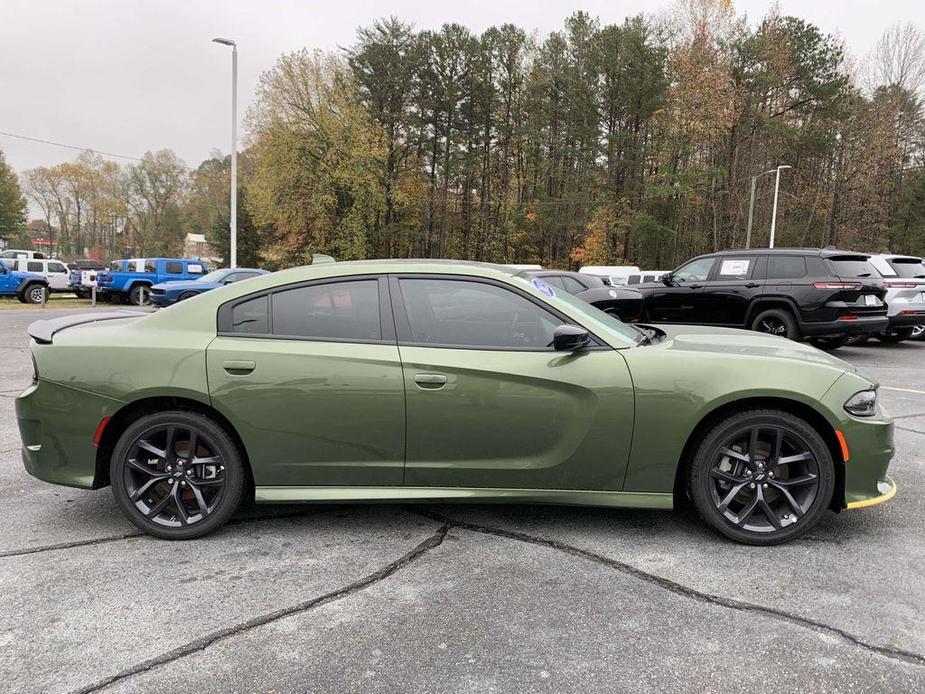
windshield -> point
(908, 267)
(596, 320)
(214, 276)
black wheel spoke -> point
(177, 497)
(193, 445)
(727, 476)
(794, 506)
(199, 482)
(798, 458)
(170, 447)
(152, 449)
(769, 512)
(776, 448)
(144, 469)
(138, 493)
(200, 501)
(795, 481)
(747, 512)
(729, 453)
(210, 460)
(159, 506)
(753, 444)
(732, 494)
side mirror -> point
(568, 338)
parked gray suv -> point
(904, 280)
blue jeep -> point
(131, 280)
(28, 287)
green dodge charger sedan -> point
(443, 381)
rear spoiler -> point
(44, 330)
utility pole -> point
(234, 148)
(751, 213)
(774, 211)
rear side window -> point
(172, 267)
(786, 267)
(150, 266)
(852, 266)
(195, 269)
(475, 314)
(908, 267)
(572, 286)
(735, 268)
(336, 310)
(554, 281)
(33, 266)
(251, 316)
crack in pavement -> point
(138, 533)
(914, 431)
(680, 589)
(204, 642)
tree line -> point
(596, 144)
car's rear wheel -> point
(187, 295)
(140, 295)
(177, 475)
(776, 321)
(894, 335)
(918, 332)
(762, 477)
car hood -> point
(178, 285)
(699, 338)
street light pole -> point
(234, 148)
(774, 211)
(751, 213)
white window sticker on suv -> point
(734, 268)
(194, 269)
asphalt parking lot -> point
(459, 598)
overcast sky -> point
(128, 76)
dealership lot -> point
(458, 598)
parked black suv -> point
(625, 304)
(823, 295)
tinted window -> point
(244, 276)
(695, 271)
(735, 268)
(33, 266)
(250, 316)
(572, 286)
(633, 279)
(56, 267)
(852, 266)
(554, 281)
(150, 266)
(339, 310)
(173, 267)
(908, 267)
(473, 314)
(786, 267)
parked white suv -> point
(16, 254)
(56, 272)
(904, 279)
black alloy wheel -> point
(776, 322)
(176, 475)
(762, 477)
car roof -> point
(413, 265)
(823, 252)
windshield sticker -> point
(543, 288)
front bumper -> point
(57, 424)
(855, 326)
(162, 300)
(887, 488)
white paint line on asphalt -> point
(903, 390)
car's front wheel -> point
(187, 295)
(177, 475)
(35, 294)
(762, 477)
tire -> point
(34, 294)
(894, 335)
(777, 321)
(829, 344)
(82, 293)
(731, 503)
(151, 489)
(140, 295)
(858, 340)
(918, 332)
(187, 295)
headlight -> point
(863, 404)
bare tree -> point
(898, 59)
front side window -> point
(474, 314)
(335, 310)
(173, 267)
(695, 271)
(251, 316)
(56, 267)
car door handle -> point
(752, 285)
(239, 368)
(695, 286)
(430, 381)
